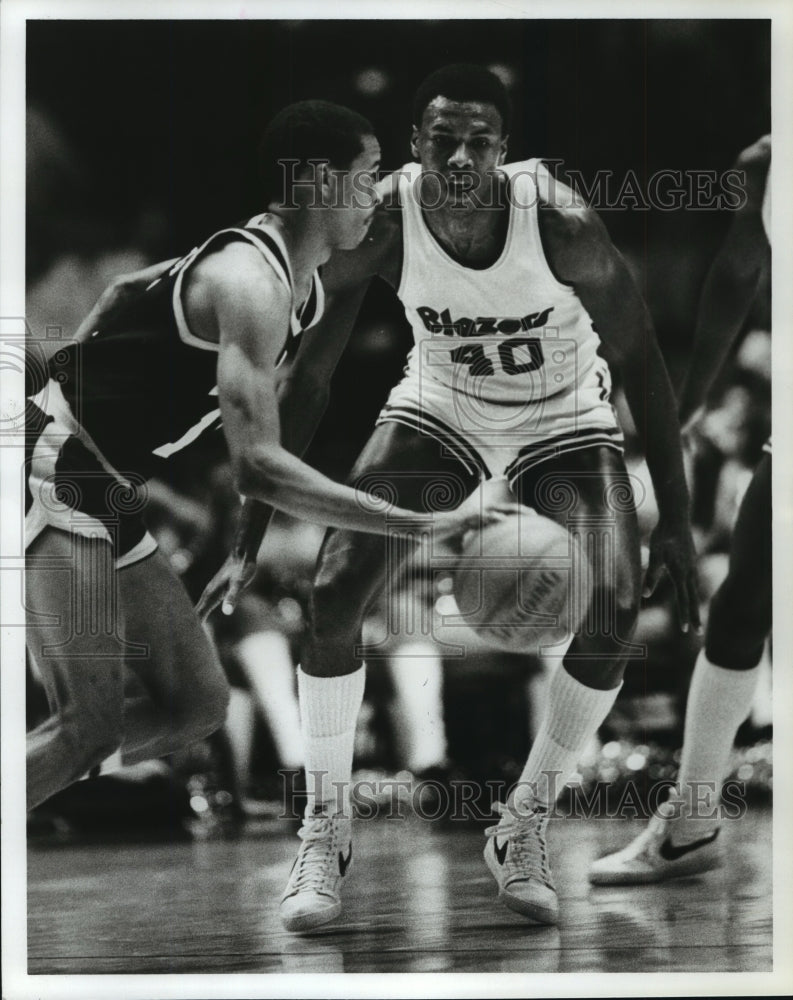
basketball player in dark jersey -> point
(128, 670)
(683, 838)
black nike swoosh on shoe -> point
(501, 852)
(344, 863)
(669, 852)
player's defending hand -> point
(672, 548)
(226, 585)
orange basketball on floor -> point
(523, 584)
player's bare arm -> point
(233, 299)
(581, 254)
(731, 283)
(304, 390)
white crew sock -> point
(266, 661)
(329, 709)
(718, 702)
(417, 675)
(573, 715)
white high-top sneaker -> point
(653, 855)
(517, 857)
(312, 895)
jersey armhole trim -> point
(185, 335)
(404, 193)
(541, 252)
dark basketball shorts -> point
(72, 487)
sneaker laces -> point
(526, 832)
(315, 855)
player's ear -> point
(324, 181)
(414, 149)
(502, 151)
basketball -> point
(523, 584)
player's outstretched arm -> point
(304, 393)
(731, 283)
(302, 400)
(250, 310)
(581, 253)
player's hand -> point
(226, 585)
(117, 294)
(473, 514)
(672, 549)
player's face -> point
(353, 196)
(463, 143)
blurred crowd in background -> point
(124, 170)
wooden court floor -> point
(419, 899)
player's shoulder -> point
(388, 187)
(563, 212)
(387, 223)
(754, 163)
(236, 264)
(551, 191)
(757, 156)
(237, 272)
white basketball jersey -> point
(509, 333)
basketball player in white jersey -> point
(128, 670)
(683, 838)
(504, 276)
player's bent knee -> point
(736, 612)
(744, 655)
(738, 626)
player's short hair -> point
(309, 130)
(464, 82)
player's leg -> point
(726, 672)
(183, 692)
(68, 577)
(589, 493)
(414, 471)
(90, 623)
(109, 623)
(683, 838)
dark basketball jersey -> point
(146, 387)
